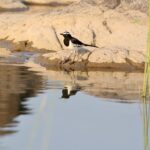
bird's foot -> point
(72, 62)
(65, 61)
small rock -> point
(12, 4)
(98, 58)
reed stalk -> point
(146, 83)
(146, 88)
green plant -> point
(146, 84)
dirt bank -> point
(120, 31)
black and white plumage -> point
(70, 90)
(73, 42)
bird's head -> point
(66, 34)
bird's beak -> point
(61, 33)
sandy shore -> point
(120, 32)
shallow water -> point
(102, 111)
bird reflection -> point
(71, 85)
(70, 90)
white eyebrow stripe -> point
(66, 33)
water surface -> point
(71, 110)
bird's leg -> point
(76, 53)
(73, 61)
(79, 56)
(68, 59)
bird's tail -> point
(91, 45)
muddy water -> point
(44, 109)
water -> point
(102, 110)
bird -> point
(74, 44)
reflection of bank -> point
(16, 84)
(107, 85)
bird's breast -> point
(71, 46)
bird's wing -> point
(76, 41)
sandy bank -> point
(119, 31)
